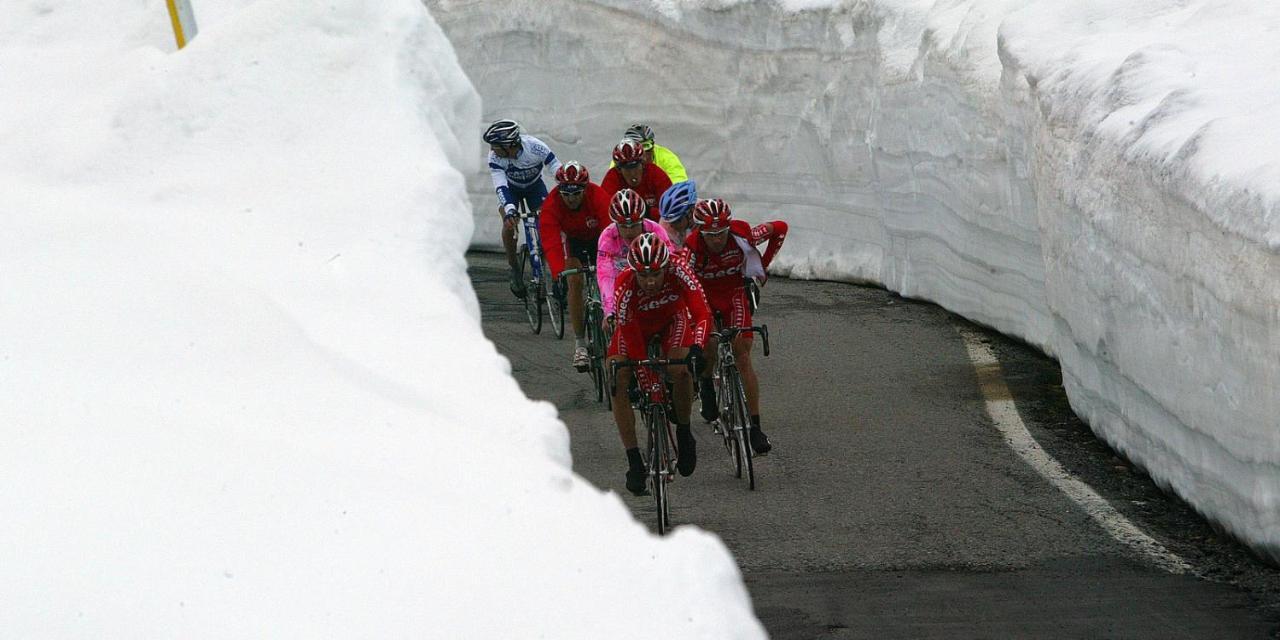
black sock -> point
(633, 457)
(755, 421)
(682, 429)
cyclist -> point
(656, 153)
(627, 210)
(516, 162)
(658, 298)
(579, 209)
(674, 209)
(634, 172)
(721, 254)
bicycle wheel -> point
(738, 402)
(555, 304)
(658, 465)
(593, 352)
(532, 306)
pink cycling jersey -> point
(611, 258)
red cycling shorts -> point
(676, 333)
(734, 310)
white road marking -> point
(1005, 415)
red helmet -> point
(712, 215)
(572, 172)
(627, 207)
(648, 253)
(628, 151)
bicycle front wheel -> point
(532, 306)
(555, 304)
(738, 407)
(659, 465)
(595, 354)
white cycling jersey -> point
(524, 170)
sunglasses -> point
(630, 225)
(572, 189)
(503, 147)
(630, 165)
(714, 234)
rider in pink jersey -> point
(627, 209)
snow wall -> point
(1089, 178)
(246, 393)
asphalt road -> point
(890, 506)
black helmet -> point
(503, 132)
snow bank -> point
(1097, 180)
(246, 393)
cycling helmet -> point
(628, 151)
(572, 172)
(503, 132)
(712, 215)
(648, 253)
(627, 207)
(641, 132)
(677, 200)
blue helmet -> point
(678, 200)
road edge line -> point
(1004, 413)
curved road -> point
(891, 507)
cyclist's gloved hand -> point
(509, 211)
(557, 287)
(697, 362)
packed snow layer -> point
(246, 392)
(1095, 180)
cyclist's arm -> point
(630, 337)
(696, 302)
(552, 244)
(775, 233)
(500, 185)
(606, 272)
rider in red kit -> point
(657, 297)
(722, 254)
(635, 172)
(579, 209)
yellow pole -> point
(183, 20)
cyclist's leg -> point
(676, 340)
(622, 415)
(676, 343)
(626, 421)
(510, 227)
(575, 295)
(740, 316)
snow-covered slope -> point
(246, 393)
(1096, 180)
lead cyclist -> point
(516, 162)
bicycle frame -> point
(532, 239)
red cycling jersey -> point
(653, 183)
(678, 312)
(585, 223)
(722, 274)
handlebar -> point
(647, 362)
(729, 333)
(589, 269)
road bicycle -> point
(655, 413)
(597, 338)
(537, 277)
(734, 422)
